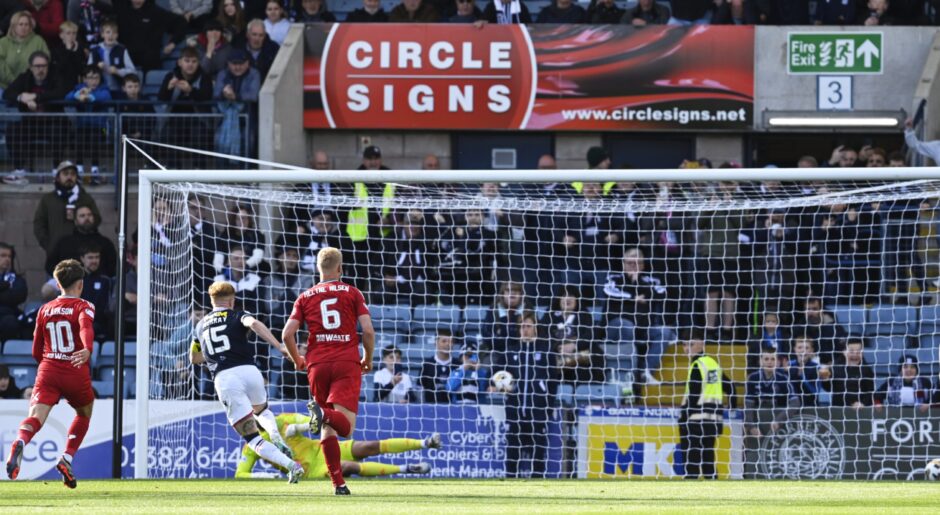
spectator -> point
(897, 159)
(691, 12)
(314, 11)
(413, 11)
(213, 48)
(774, 257)
(370, 12)
(770, 395)
(90, 131)
(88, 14)
(435, 371)
(144, 25)
(111, 57)
(906, 388)
(568, 318)
(789, 12)
(807, 162)
(604, 11)
(430, 162)
(85, 235)
(276, 23)
(185, 88)
(837, 12)
(562, 11)
(20, 43)
(322, 231)
(49, 14)
(242, 232)
(506, 11)
(239, 82)
(231, 17)
(929, 149)
(580, 361)
(13, 291)
(808, 376)
(281, 288)
(246, 283)
(719, 256)
(97, 290)
(55, 215)
(842, 157)
(8, 388)
(68, 56)
(500, 326)
(411, 260)
(821, 327)
(467, 12)
(877, 158)
(465, 254)
(469, 381)
(392, 382)
(195, 12)
(598, 158)
(853, 380)
(877, 14)
(135, 126)
(770, 337)
(259, 46)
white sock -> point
(269, 452)
(267, 422)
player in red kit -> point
(62, 345)
(331, 310)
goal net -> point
(549, 329)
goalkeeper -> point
(307, 452)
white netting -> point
(616, 274)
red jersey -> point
(61, 328)
(331, 311)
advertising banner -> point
(538, 77)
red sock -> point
(27, 434)
(76, 434)
(330, 448)
(337, 421)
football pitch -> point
(470, 496)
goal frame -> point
(295, 174)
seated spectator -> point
(465, 252)
(13, 292)
(568, 318)
(853, 380)
(49, 14)
(469, 382)
(370, 12)
(111, 57)
(259, 46)
(467, 12)
(821, 327)
(580, 361)
(500, 326)
(413, 11)
(506, 11)
(435, 371)
(246, 283)
(17, 46)
(90, 131)
(214, 48)
(810, 379)
(239, 82)
(770, 395)
(604, 11)
(231, 17)
(281, 288)
(140, 127)
(770, 337)
(85, 235)
(314, 11)
(562, 11)
(276, 23)
(55, 215)
(907, 387)
(877, 14)
(144, 25)
(97, 290)
(68, 55)
(242, 232)
(392, 382)
(8, 388)
(185, 89)
(195, 12)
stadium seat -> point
(25, 375)
(885, 359)
(415, 352)
(929, 320)
(106, 357)
(851, 318)
(107, 376)
(391, 318)
(383, 340)
(928, 360)
(565, 395)
(368, 388)
(152, 83)
(18, 352)
(105, 389)
(605, 394)
(473, 317)
(431, 318)
(887, 319)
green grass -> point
(458, 496)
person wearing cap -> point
(907, 388)
(55, 215)
(469, 382)
(239, 82)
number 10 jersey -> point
(331, 311)
(223, 340)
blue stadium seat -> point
(851, 318)
(105, 389)
(473, 317)
(18, 352)
(107, 376)
(391, 318)
(383, 340)
(25, 375)
(618, 355)
(31, 306)
(565, 395)
(928, 360)
(431, 318)
(929, 320)
(106, 357)
(422, 347)
(152, 83)
(884, 359)
(607, 394)
(368, 388)
(887, 319)
(597, 312)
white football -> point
(932, 470)
(502, 380)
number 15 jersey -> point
(331, 311)
(223, 340)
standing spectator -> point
(195, 12)
(413, 11)
(392, 382)
(49, 14)
(184, 89)
(13, 291)
(17, 46)
(506, 11)
(581, 361)
(213, 47)
(8, 388)
(853, 380)
(281, 288)
(90, 131)
(276, 23)
(501, 324)
(68, 56)
(239, 82)
(604, 11)
(906, 388)
(85, 235)
(111, 57)
(821, 327)
(322, 231)
(877, 14)
(467, 12)
(242, 231)
(788, 12)
(719, 255)
(205, 239)
(144, 25)
(231, 17)
(435, 371)
(771, 336)
(55, 214)
(314, 11)
(411, 260)
(808, 376)
(562, 11)
(842, 157)
(465, 254)
(929, 149)
(469, 381)
(97, 290)
(370, 12)
(259, 46)
(88, 15)
(246, 283)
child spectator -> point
(231, 17)
(135, 126)
(276, 23)
(68, 57)
(91, 130)
(314, 11)
(111, 57)
(469, 383)
(392, 383)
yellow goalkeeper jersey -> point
(306, 450)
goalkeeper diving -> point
(294, 427)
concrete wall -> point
(280, 124)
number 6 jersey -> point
(223, 340)
(331, 311)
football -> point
(502, 380)
(932, 470)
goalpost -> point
(648, 258)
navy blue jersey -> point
(223, 340)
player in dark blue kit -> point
(222, 344)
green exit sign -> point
(835, 52)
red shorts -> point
(53, 382)
(336, 382)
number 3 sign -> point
(834, 93)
